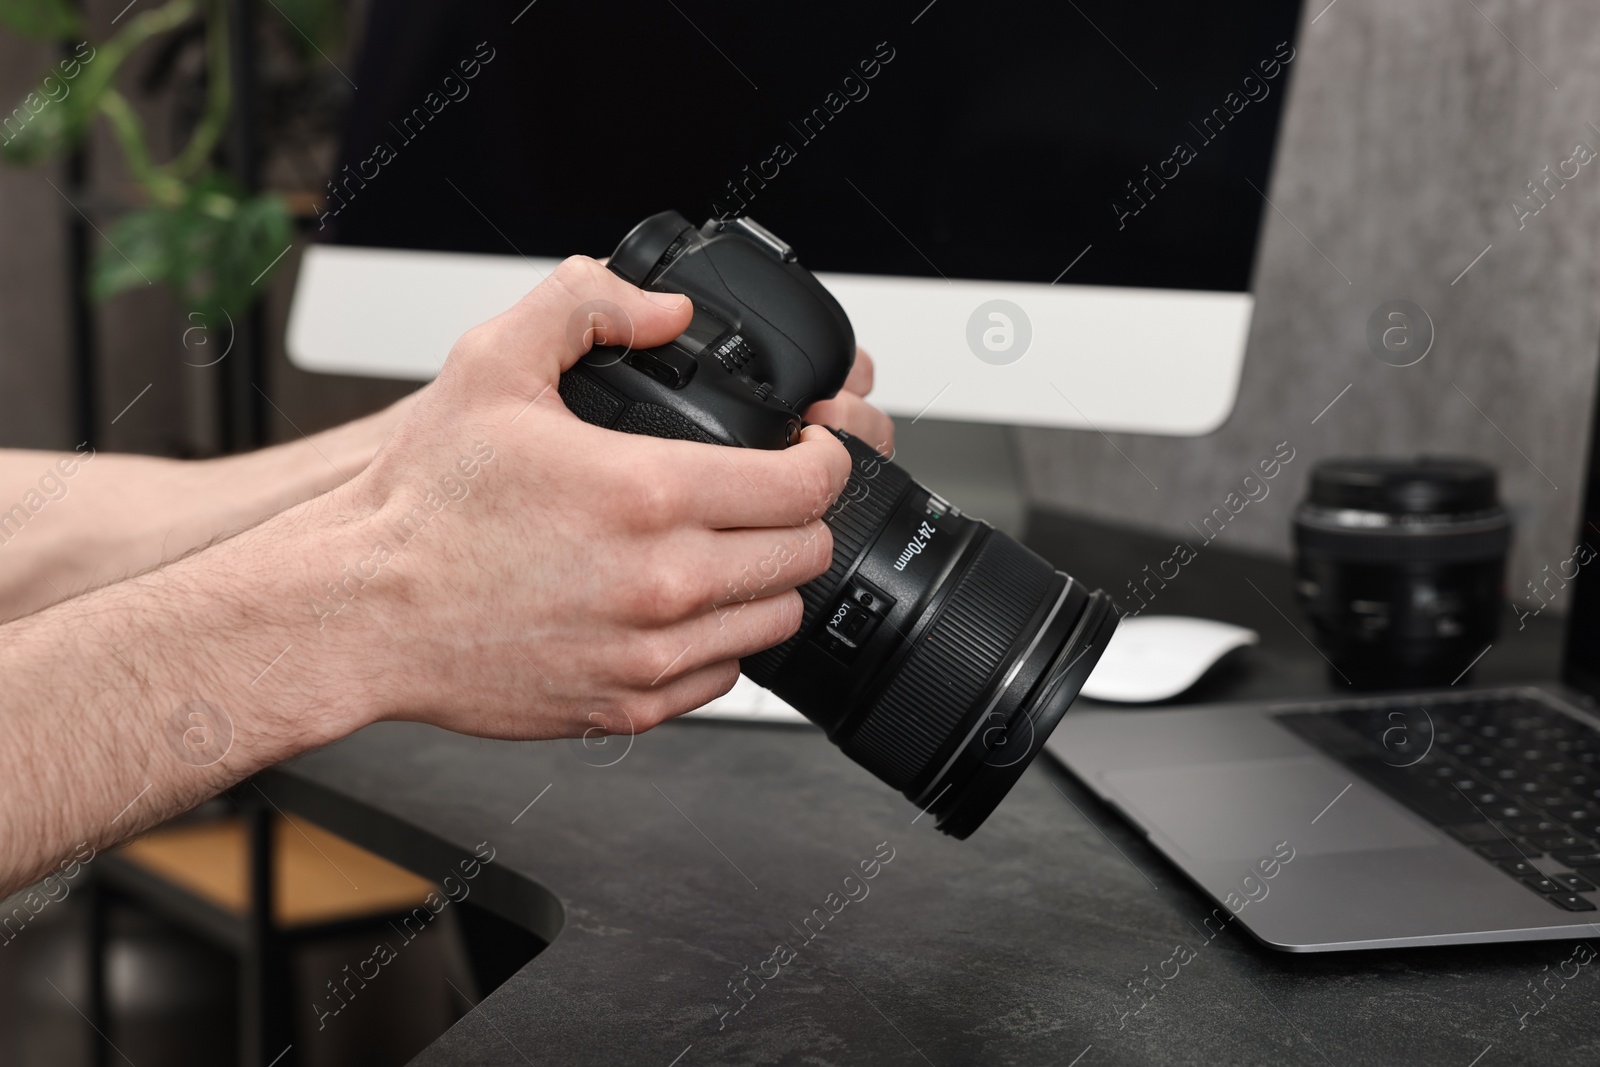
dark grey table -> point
(666, 877)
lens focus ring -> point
(856, 518)
(952, 667)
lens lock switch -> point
(853, 620)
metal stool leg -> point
(98, 947)
(265, 1028)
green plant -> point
(196, 229)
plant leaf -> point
(50, 120)
(134, 254)
(250, 242)
(213, 249)
(43, 20)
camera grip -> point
(594, 403)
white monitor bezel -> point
(1155, 361)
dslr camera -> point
(936, 651)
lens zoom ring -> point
(862, 510)
(955, 662)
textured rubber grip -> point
(594, 403)
(856, 518)
(953, 666)
(656, 421)
(588, 399)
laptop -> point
(1429, 817)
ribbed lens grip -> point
(954, 664)
(862, 510)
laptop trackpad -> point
(1241, 810)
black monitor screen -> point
(996, 141)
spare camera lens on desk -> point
(1401, 567)
(936, 651)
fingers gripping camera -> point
(936, 651)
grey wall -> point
(1409, 127)
(33, 310)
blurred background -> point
(123, 284)
(86, 328)
(1408, 133)
(137, 210)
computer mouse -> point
(1156, 657)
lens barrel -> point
(1401, 566)
(936, 651)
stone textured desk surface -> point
(664, 871)
(711, 843)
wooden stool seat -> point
(318, 877)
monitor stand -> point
(974, 465)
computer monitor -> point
(1580, 664)
(1034, 213)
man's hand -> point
(584, 577)
(500, 568)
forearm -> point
(75, 521)
(99, 691)
(501, 568)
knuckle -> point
(657, 658)
(817, 487)
(725, 677)
(770, 564)
(637, 669)
(647, 711)
(609, 719)
(826, 412)
(814, 551)
(837, 467)
(819, 543)
(885, 444)
(654, 498)
(678, 591)
(483, 339)
(787, 615)
(667, 593)
(576, 275)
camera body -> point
(935, 651)
(766, 339)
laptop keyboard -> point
(1507, 775)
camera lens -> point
(936, 651)
(1401, 567)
